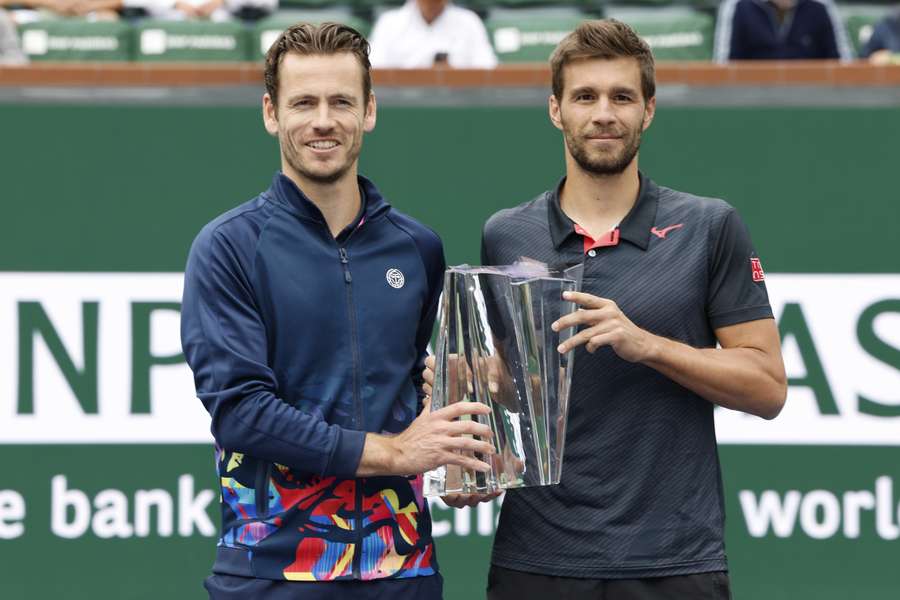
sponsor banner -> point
(96, 358)
(812, 515)
(841, 345)
(174, 495)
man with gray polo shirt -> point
(639, 511)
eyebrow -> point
(585, 89)
(337, 96)
(619, 89)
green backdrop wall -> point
(100, 204)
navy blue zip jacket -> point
(301, 343)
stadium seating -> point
(672, 32)
(267, 30)
(198, 41)
(77, 40)
(860, 20)
(529, 34)
(520, 30)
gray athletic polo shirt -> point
(641, 491)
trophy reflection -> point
(495, 346)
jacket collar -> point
(635, 227)
(287, 192)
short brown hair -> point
(603, 38)
(310, 39)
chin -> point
(326, 176)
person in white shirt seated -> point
(423, 33)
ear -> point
(270, 115)
(555, 116)
(369, 118)
(649, 111)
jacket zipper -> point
(357, 404)
(354, 335)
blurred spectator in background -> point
(173, 10)
(780, 29)
(26, 11)
(10, 53)
(423, 33)
(884, 45)
(182, 10)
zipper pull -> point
(345, 261)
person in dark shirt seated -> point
(780, 29)
(884, 45)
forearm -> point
(744, 379)
(264, 426)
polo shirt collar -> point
(635, 227)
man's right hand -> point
(433, 439)
(463, 500)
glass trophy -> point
(495, 346)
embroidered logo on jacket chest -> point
(395, 278)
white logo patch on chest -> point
(395, 278)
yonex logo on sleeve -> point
(395, 278)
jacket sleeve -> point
(224, 341)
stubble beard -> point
(604, 165)
(292, 157)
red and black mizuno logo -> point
(661, 233)
(757, 270)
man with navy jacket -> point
(306, 316)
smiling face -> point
(320, 116)
(602, 113)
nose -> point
(323, 120)
(603, 113)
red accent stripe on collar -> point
(610, 238)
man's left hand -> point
(604, 325)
